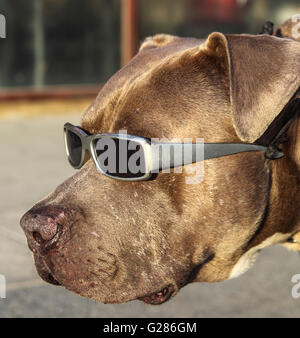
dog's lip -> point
(49, 278)
(158, 297)
(44, 271)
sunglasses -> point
(134, 158)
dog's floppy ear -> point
(289, 29)
(264, 74)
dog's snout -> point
(42, 225)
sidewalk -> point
(33, 163)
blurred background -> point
(53, 62)
(64, 42)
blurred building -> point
(64, 42)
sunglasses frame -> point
(154, 151)
(88, 149)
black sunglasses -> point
(133, 158)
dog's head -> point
(115, 241)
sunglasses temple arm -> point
(214, 150)
(171, 155)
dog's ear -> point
(289, 29)
(158, 40)
(264, 74)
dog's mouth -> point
(49, 278)
(154, 298)
(158, 297)
(44, 271)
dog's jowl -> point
(117, 240)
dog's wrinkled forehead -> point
(170, 79)
(251, 78)
(153, 58)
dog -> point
(115, 241)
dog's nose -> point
(42, 225)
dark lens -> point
(120, 158)
(74, 148)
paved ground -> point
(32, 164)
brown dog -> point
(115, 241)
